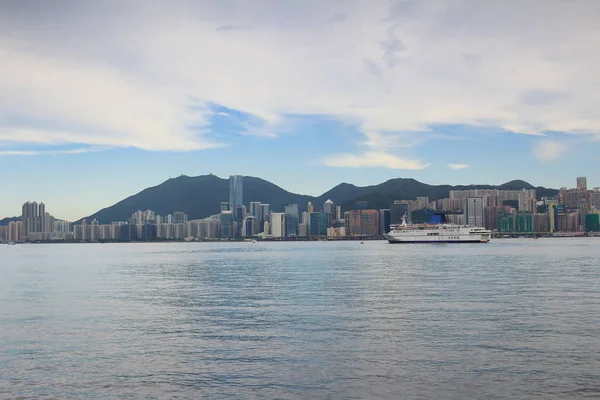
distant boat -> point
(10, 243)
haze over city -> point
(100, 100)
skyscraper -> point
(474, 211)
(265, 213)
(582, 183)
(278, 224)
(236, 194)
(291, 219)
(256, 212)
(384, 221)
(328, 207)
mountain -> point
(6, 221)
(200, 196)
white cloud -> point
(458, 166)
(372, 159)
(393, 68)
(548, 150)
(51, 152)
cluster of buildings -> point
(36, 224)
(504, 211)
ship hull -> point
(407, 241)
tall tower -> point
(236, 195)
(474, 211)
(582, 183)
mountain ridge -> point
(200, 196)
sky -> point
(101, 99)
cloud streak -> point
(373, 159)
(458, 166)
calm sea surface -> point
(510, 319)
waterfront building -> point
(317, 224)
(552, 214)
(541, 222)
(265, 212)
(278, 225)
(14, 232)
(291, 219)
(474, 211)
(227, 229)
(334, 232)
(362, 222)
(592, 222)
(248, 226)
(384, 221)
(256, 212)
(595, 198)
(338, 213)
(524, 222)
(303, 229)
(352, 222)
(506, 222)
(369, 222)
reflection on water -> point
(513, 318)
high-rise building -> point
(329, 207)
(552, 218)
(595, 199)
(524, 222)
(338, 212)
(541, 223)
(317, 224)
(265, 213)
(369, 222)
(592, 222)
(236, 194)
(291, 219)
(384, 221)
(474, 211)
(310, 208)
(179, 217)
(278, 225)
(256, 212)
(227, 228)
(248, 226)
(582, 183)
(224, 206)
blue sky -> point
(104, 100)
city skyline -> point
(359, 92)
(572, 211)
(238, 195)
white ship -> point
(437, 233)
